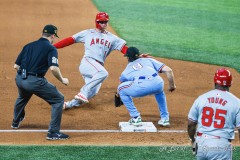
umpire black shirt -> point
(36, 57)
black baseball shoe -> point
(15, 125)
(56, 136)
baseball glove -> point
(117, 100)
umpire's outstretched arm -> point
(57, 73)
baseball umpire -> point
(31, 65)
(140, 78)
(213, 118)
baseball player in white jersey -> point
(140, 78)
(213, 118)
(98, 44)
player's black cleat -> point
(56, 136)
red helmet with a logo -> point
(223, 77)
(101, 16)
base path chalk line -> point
(90, 131)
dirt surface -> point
(22, 23)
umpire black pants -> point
(40, 87)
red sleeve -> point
(65, 42)
(124, 49)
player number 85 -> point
(219, 118)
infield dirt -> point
(22, 22)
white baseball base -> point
(146, 127)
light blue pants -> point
(93, 74)
(213, 148)
(141, 88)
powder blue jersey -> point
(98, 45)
(141, 67)
(140, 78)
(217, 113)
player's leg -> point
(76, 103)
(94, 74)
(94, 91)
(213, 148)
(162, 105)
(201, 149)
(155, 86)
(125, 90)
(72, 103)
(218, 149)
(136, 88)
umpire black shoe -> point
(56, 136)
(15, 125)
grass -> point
(99, 152)
(205, 31)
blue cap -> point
(51, 29)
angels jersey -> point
(217, 113)
(98, 45)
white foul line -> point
(90, 131)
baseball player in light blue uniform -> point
(216, 114)
(140, 78)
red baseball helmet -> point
(101, 16)
(223, 77)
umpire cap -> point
(51, 29)
(132, 54)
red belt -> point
(218, 137)
(200, 134)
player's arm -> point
(124, 49)
(237, 119)
(168, 71)
(191, 133)
(65, 42)
(142, 55)
(238, 134)
(191, 129)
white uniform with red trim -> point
(217, 114)
(97, 47)
(140, 78)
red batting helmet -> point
(223, 77)
(101, 16)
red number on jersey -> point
(219, 118)
(207, 115)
